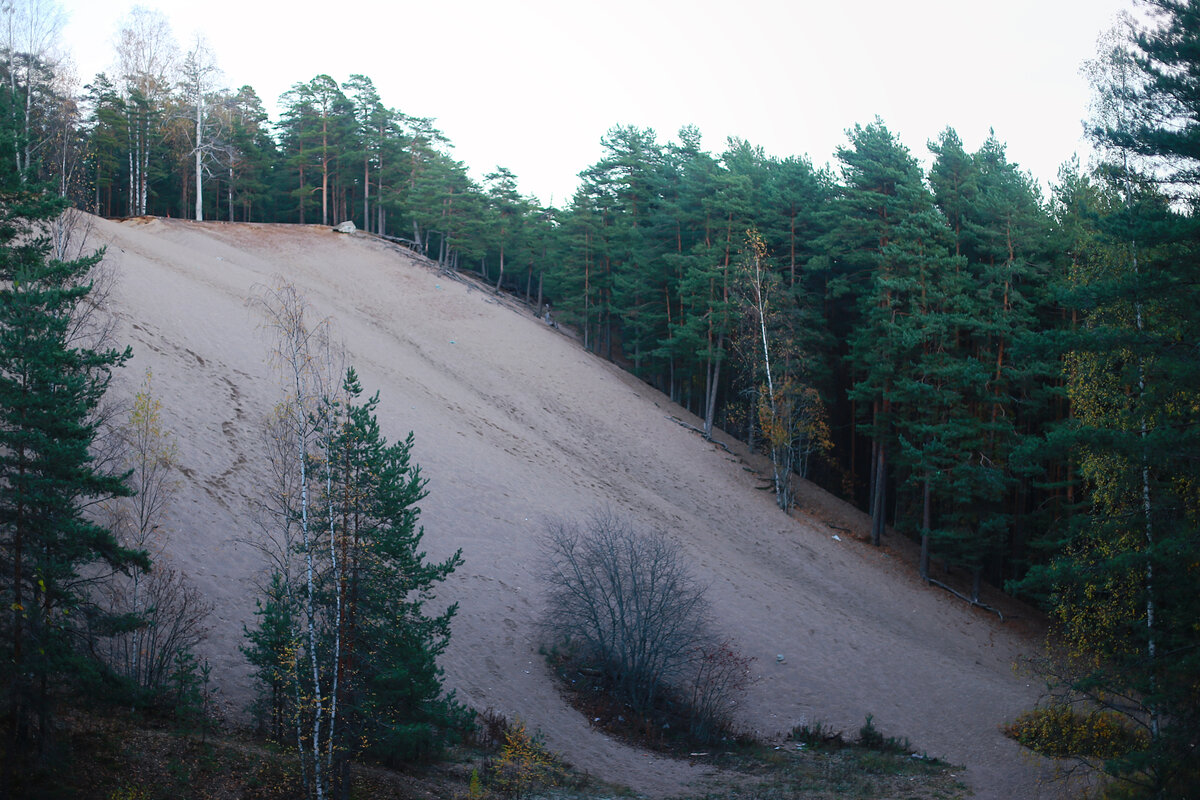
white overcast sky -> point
(533, 85)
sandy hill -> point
(515, 423)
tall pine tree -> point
(50, 386)
(1124, 585)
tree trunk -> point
(132, 181)
(501, 276)
(367, 193)
(302, 195)
(714, 380)
(874, 464)
(199, 160)
(926, 524)
(325, 171)
(879, 507)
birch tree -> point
(199, 74)
(789, 410)
(30, 29)
(146, 57)
(343, 625)
(302, 352)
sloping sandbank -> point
(515, 423)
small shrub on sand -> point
(523, 765)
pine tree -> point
(416, 169)
(883, 192)
(250, 160)
(107, 145)
(1001, 302)
(507, 217)
(572, 281)
(1123, 587)
(625, 186)
(344, 651)
(271, 648)
(936, 437)
(688, 178)
(372, 120)
(49, 388)
(393, 688)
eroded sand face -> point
(514, 423)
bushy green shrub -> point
(1059, 731)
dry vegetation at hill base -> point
(515, 424)
(113, 757)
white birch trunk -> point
(1147, 507)
(199, 158)
(336, 573)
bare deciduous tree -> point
(200, 73)
(304, 354)
(626, 602)
(720, 675)
(167, 613)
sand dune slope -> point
(514, 423)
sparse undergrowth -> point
(785, 772)
(118, 757)
(815, 762)
(663, 728)
(818, 762)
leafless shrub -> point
(625, 602)
(172, 613)
(491, 729)
(161, 615)
(93, 323)
(721, 676)
(275, 512)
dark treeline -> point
(1008, 378)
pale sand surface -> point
(515, 423)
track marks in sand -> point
(236, 432)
